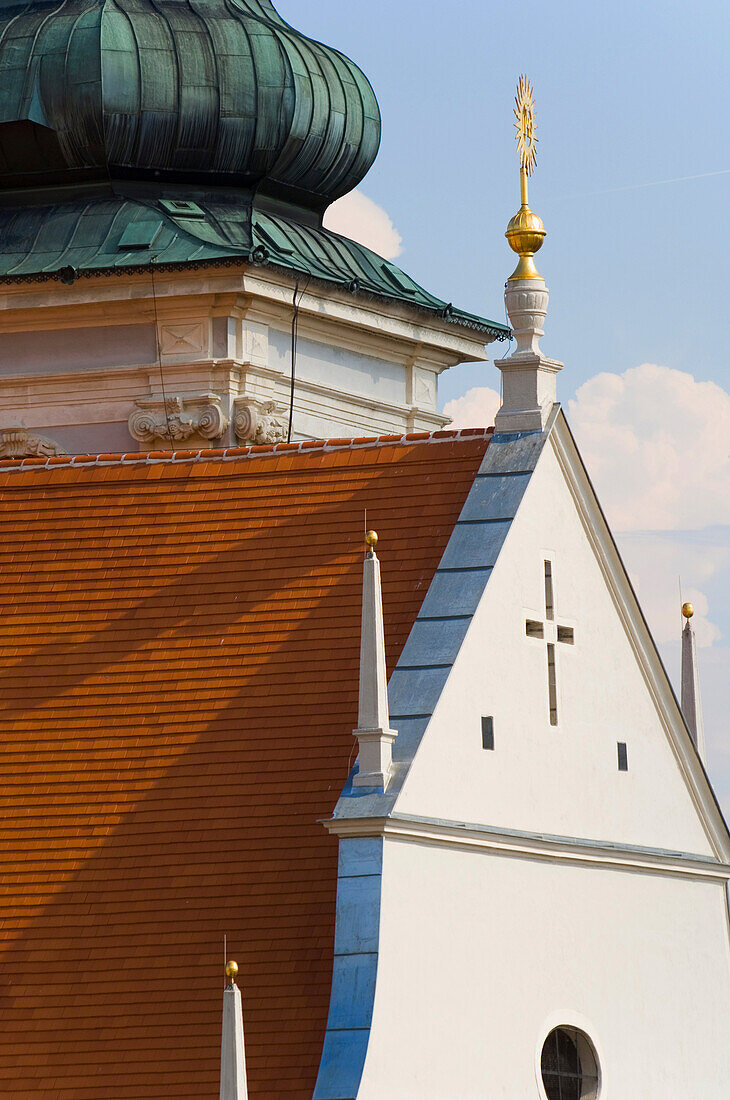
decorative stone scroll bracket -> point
(22, 443)
(178, 418)
(259, 421)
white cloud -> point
(476, 409)
(657, 445)
(359, 218)
(657, 561)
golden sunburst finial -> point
(525, 232)
(526, 126)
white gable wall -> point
(536, 885)
(482, 955)
(561, 780)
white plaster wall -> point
(346, 370)
(562, 780)
(90, 377)
(318, 418)
(482, 955)
(83, 354)
(58, 351)
(104, 438)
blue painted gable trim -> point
(357, 931)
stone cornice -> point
(256, 294)
(122, 384)
(527, 845)
(324, 315)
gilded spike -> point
(525, 231)
(526, 126)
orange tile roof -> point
(178, 653)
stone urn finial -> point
(528, 376)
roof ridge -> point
(227, 454)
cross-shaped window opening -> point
(534, 628)
(549, 600)
(552, 685)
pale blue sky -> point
(627, 94)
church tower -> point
(449, 817)
(167, 282)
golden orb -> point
(525, 234)
(688, 610)
(232, 971)
(371, 539)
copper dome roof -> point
(212, 92)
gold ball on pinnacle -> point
(372, 540)
(232, 971)
(688, 610)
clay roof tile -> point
(171, 628)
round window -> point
(569, 1066)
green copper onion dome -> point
(218, 93)
(183, 133)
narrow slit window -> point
(533, 629)
(552, 685)
(623, 757)
(488, 733)
(565, 634)
(549, 598)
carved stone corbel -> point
(257, 422)
(22, 443)
(178, 418)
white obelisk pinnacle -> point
(233, 1055)
(691, 705)
(373, 731)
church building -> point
(292, 673)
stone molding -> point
(439, 832)
(262, 296)
(106, 396)
(22, 443)
(258, 422)
(177, 418)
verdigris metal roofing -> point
(119, 233)
(221, 91)
(183, 132)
